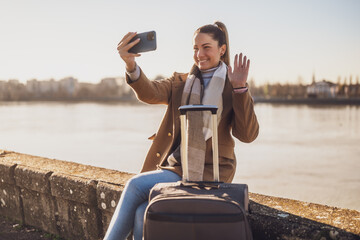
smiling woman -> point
(211, 81)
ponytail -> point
(226, 56)
(219, 33)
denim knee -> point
(135, 185)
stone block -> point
(10, 204)
(73, 188)
(105, 218)
(39, 210)
(7, 173)
(33, 179)
(108, 196)
(78, 221)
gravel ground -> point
(11, 230)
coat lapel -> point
(178, 88)
(227, 95)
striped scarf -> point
(200, 131)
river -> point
(309, 153)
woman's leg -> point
(136, 192)
(139, 220)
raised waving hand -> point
(238, 76)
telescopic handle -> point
(198, 107)
(184, 140)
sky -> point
(286, 40)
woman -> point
(211, 81)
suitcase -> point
(187, 210)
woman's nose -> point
(200, 53)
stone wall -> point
(77, 201)
(68, 199)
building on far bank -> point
(69, 85)
(50, 88)
(323, 89)
(114, 86)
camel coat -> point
(238, 119)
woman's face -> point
(207, 52)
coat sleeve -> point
(152, 92)
(245, 126)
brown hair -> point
(219, 33)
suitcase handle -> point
(201, 185)
(198, 107)
(184, 150)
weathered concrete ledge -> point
(77, 201)
(72, 200)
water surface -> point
(303, 152)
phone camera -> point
(150, 36)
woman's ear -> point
(223, 49)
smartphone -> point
(147, 42)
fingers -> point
(135, 54)
(130, 45)
(241, 62)
(248, 64)
(124, 43)
(125, 37)
(236, 61)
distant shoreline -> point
(307, 101)
(310, 101)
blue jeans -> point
(129, 213)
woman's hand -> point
(238, 77)
(123, 49)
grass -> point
(52, 236)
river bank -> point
(309, 101)
(134, 101)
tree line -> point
(116, 89)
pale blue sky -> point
(284, 39)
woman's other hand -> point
(123, 49)
(238, 77)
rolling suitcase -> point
(197, 210)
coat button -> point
(169, 134)
(158, 154)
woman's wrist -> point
(235, 88)
(239, 86)
(240, 90)
(130, 67)
(134, 75)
